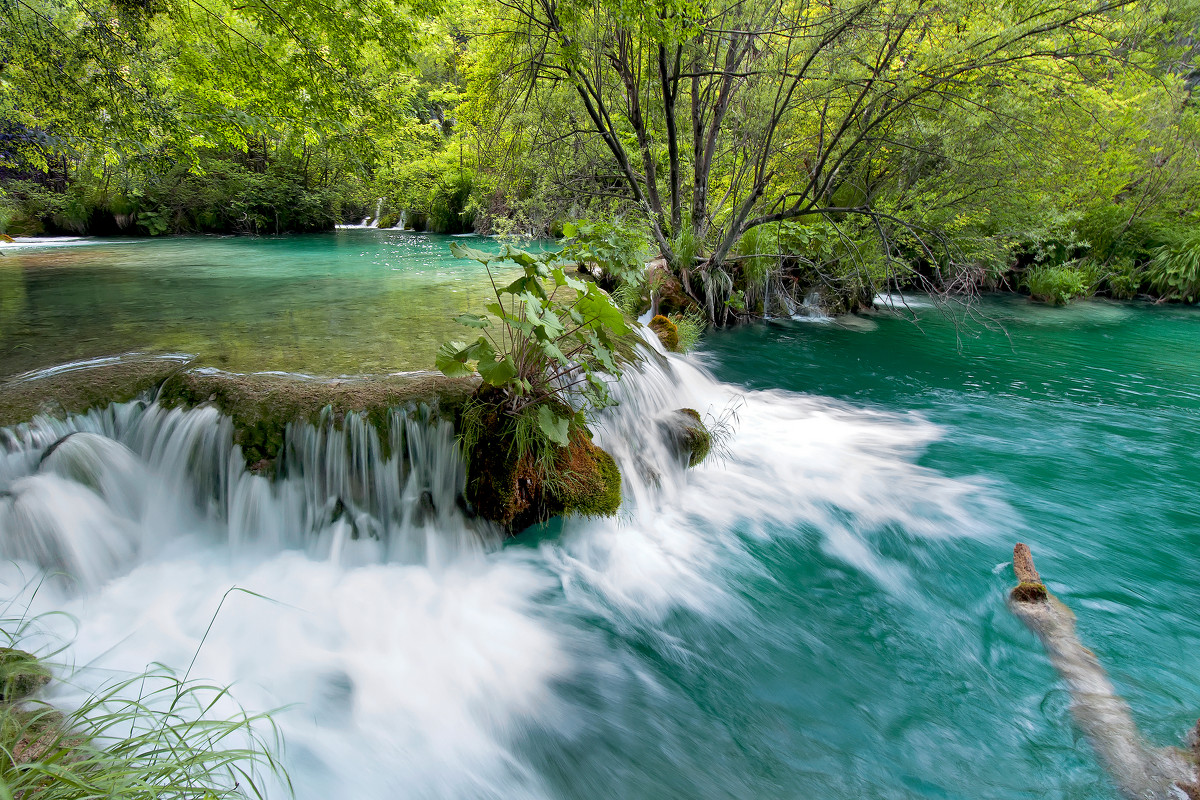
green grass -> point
(149, 736)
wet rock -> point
(262, 406)
(74, 389)
(688, 433)
(21, 674)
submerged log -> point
(1141, 772)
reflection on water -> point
(347, 302)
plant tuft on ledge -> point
(545, 354)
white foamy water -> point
(415, 654)
(42, 242)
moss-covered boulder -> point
(21, 674)
(511, 488)
(667, 331)
(688, 433)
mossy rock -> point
(690, 436)
(668, 332)
(510, 488)
(21, 674)
(262, 406)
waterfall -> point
(401, 221)
(411, 653)
(90, 495)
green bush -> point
(449, 206)
(1055, 285)
(1174, 268)
(551, 348)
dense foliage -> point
(768, 150)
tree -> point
(722, 116)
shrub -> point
(1055, 285)
(546, 359)
(620, 250)
(1174, 268)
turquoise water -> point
(1084, 422)
(818, 612)
(327, 304)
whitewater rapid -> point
(408, 650)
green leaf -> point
(452, 358)
(497, 373)
(599, 307)
(552, 351)
(561, 278)
(472, 320)
(528, 284)
(462, 251)
(570, 230)
(554, 426)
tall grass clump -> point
(150, 736)
(690, 326)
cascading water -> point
(416, 655)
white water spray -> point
(416, 654)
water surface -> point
(353, 301)
(818, 612)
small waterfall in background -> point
(401, 221)
(369, 221)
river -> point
(819, 611)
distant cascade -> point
(93, 494)
(401, 221)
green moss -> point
(1030, 592)
(21, 674)
(697, 439)
(509, 483)
(591, 482)
(262, 406)
(75, 391)
(667, 332)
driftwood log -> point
(1141, 772)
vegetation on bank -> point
(765, 152)
(147, 737)
(545, 353)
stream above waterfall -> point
(818, 610)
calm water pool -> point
(330, 304)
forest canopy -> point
(764, 150)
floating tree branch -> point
(1140, 771)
